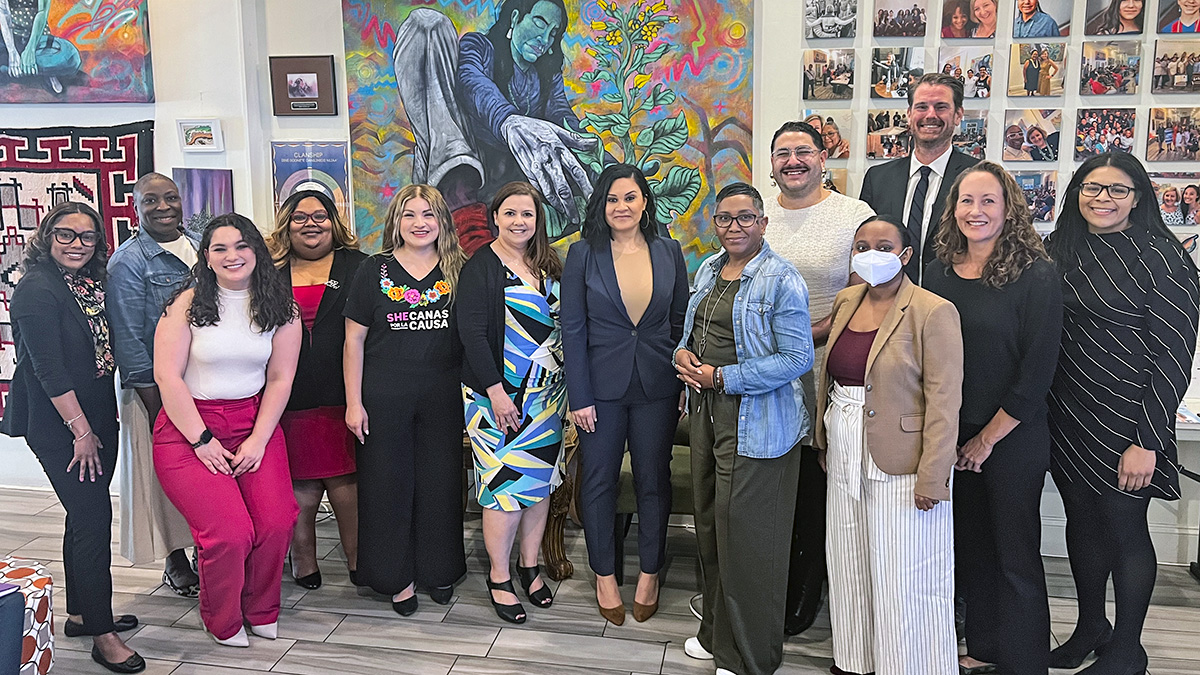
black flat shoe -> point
(510, 613)
(442, 594)
(353, 577)
(133, 664)
(981, 669)
(120, 624)
(1069, 655)
(405, 607)
(542, 597)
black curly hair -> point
(271, 301)
(37, 249)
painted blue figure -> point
(29, 49)
(489, 108)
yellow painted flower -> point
(673, 19)
(650, 30)
(602, 4)
(641, 16)
(640, 80)
(658, 6)
(592, 52)
(633, 25)
(613, 37)
(599, 25)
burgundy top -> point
(309, 299)
(848, 357)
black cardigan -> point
(319, 382)
(55, 355)
(480, 307)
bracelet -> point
(719, 381)
(73, 420)
(81, 438)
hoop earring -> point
(773, 182)
(714, 244)
(509, 35)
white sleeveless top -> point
(228, 361)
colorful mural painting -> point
(470, 94)
(75, 51)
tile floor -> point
(334, 631)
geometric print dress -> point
(517, 469)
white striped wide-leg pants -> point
(891, 565)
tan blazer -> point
(913, 386)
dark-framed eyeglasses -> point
(744, 220)
(299, 218)
(1115, 190)
(66, 237)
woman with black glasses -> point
(1131, 300)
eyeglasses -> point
(803, 153)
(1116, 190)
(319, 217)
(744, 220)
(67, 237)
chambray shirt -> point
(773, 337)
(1039, 25)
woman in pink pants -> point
(225, 352)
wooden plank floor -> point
(333, 631)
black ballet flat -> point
(405, 607)
(442, 594)
(1067, 656)
(120, 624)
(542, 597)
(510, 613)
(133, 664)
(353, 577)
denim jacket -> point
(141, 278)
(773, 337)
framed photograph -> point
(887, 134)
(836, 180)
(971, 65)
(303, 85)
(1178, 198)
(1042, 18)
(1175, 69)
(894, 69)
(1041, 192)
(835, 127)
(969, 19)
(201, 135)
(899, 18)
(1037, 69)
(1173, 135)
(972, 134)
(1110, 68)
(828, 74)
(1101, 130)
(1031, 135)
(206, 193)
(1179, 16)
(830, 18)
(1115, 17)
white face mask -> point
(876, 267)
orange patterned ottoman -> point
(37, 645)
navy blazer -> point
(55, 355)
(601, 344)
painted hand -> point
(543, 150)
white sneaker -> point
(269, 631)
(238, 640)
(692, 648)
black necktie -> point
(913, 268)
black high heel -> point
(1067, 656)
(510, 613)
(309, 581)
(442, 594)
(542, 597)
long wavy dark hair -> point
(547, 67)
(595, 224)
(37, 249)
(1071, 228)
(279, 241)
(539, 254)
(271, 302)
(1108, 22)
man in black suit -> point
(935, 110)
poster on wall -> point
(312, 165)
(887, 134)
(1032, 135)
(900, 18)
(1115, 17)
(94, 165)
(894, 70)
(971, 137)
(75, 51)
(1101, 130)
(1179, 16)
(830, 18)
(1041, 191)
(1110, 68)
(1178, 197)
(206, 193)
(1174, 66)
(972, 65)
(1037, 69)
(1042, 18)
(831, 124)
(828, 74)
(969, 19)
(549, 93)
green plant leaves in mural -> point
(675, 192)
(664, 136)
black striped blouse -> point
(1130, 306)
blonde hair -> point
(1018, 245)
(279, 240)
(451, 256)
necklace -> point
(707, 315)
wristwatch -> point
(204, 438)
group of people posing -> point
(873, 390)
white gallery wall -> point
(210, 60)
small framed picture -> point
(303, 85)
(201, 135)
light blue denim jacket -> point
(141, 278)
(773, 337)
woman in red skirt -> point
(318, 254)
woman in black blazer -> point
(625, 292)
(63, 402)
(319, 255)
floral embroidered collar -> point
(412, 296)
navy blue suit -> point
(626, 372)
